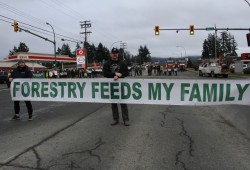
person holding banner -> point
(114, 68)
(22, 71)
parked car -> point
(3, 77)
(244, 66)
(247, 70)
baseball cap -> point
(114, 50)
(20, 61)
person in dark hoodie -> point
(114, 68)
(22, 71)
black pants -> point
(28, 105)
(115, 111)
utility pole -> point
(123, 46)
(215, 39)
(85, 25)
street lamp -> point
(113, 44)
(184, 49)
(53, 42)
(247, 2)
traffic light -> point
(15, 26)
(191, 29)
(157, 30)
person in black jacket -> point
(116, 69)
(22, 71)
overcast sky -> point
(129, 21)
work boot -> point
(16, 117)
(115, 122)
(126, 123)
(30, 118)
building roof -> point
(39, 57)
(13, 64)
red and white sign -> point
(80, 62)
(80, 52)
(80, 58)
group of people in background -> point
(151, 70)
(68, 73)
(155, 69)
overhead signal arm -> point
(191, 29)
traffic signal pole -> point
(27, 31)
(46, 39)
(192, 29)
(206, 29)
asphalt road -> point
(76, 136)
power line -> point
(37, 29)
(20, 13)
(58, 4)
(51, 6)
(23, 14)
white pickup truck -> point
(214, 69)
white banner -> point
(134, 91)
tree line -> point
(224, 44)
(97, 54)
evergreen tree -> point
(73, 54)
(91, 52)
(59, 51)
(65, 50)
(13, 51)
(21, 48)
(205, 52)
(144, 55)
(225, 44)
(78, 46)
(234, 47)
(127, 58)
(102, 53)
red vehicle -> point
(182, 64)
